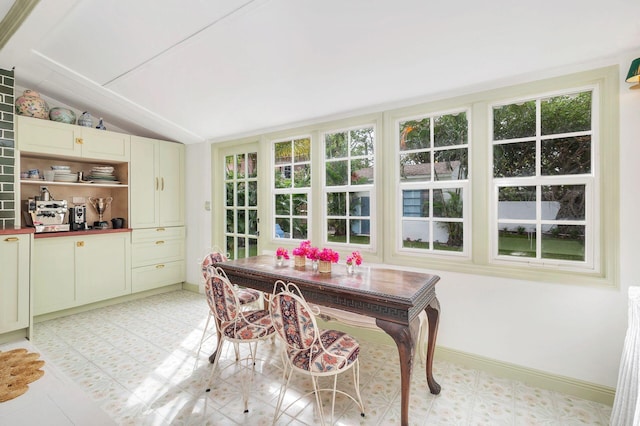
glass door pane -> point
(241, 203)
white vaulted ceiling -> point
(197, 70)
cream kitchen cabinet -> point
(46, 137)
(77, 270)
(157, 257)
(14, 282)
(156, 183)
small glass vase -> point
(350, 268)
(324, 267)
(314, 265)
(279, 260)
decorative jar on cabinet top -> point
(85, 120)
(31, 104)
(62, 115)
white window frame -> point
(348, 188)
(434, 185)
(480, 216)
(591, 182)
(291, 190)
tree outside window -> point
(291, 188)
(348, 182)
(433, 176)
(542, 170)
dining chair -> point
(248, 297)
(235, 324)
(310, 350)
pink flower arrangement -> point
(302, 249)
(354, 258)
(328, 255)
(313, 253)
(282, 252)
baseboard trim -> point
(195, 288)
(530, 376)
(14, 335)
(103, 303)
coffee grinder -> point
(78, 217)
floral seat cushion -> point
(247, 295)
(342, 351)
(252, 325)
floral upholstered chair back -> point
(211, 259)
(221, 296)
(292, 317)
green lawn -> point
(355, 239)
(510, 244)
(425, 245)
(553, 248)
(521, 245)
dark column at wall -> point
(7, 150)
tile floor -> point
(137, 360)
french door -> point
(240, 165)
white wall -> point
(198, 219)
(569, 330)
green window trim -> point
(388, 216)
(481, 261)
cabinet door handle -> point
(79, 243)
(162, 187)
(160, 229)
(159, 266)
(79, 141)
(157, 184)
(159, 242)
(11, 239)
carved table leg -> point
(405, 337)
(433, 315)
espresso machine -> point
(46, 216)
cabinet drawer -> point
(159, 275)
(157, 251)
(157, 234)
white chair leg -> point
(316, 391)
(215, 364)
(333, 397)
(286, 377)
(204, 332)
(356, 380)
(247, 384)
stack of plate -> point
(63, 174)
(102, 174)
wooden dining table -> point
(394, 297)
